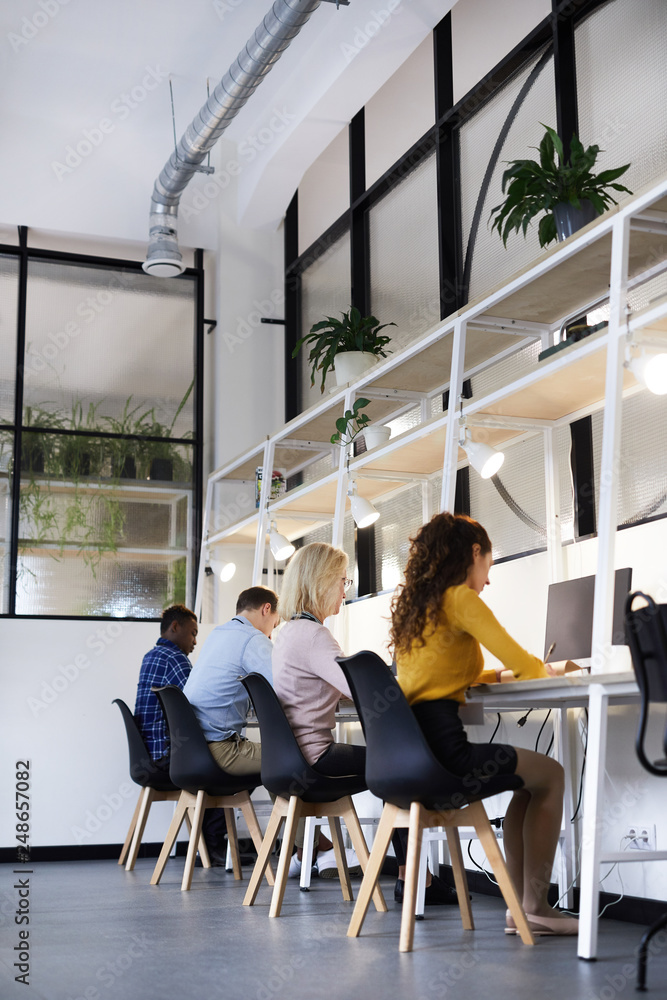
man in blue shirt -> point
(166, 663)
(213, 689)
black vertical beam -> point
(462, 495)
(359, 239)
(18, 416)
(366, 561)
(450, 252)
(583, 477)
(292, 310)
(198, 457)
(567, 118)
(361, 298)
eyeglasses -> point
(347, 582)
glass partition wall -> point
(99, 441)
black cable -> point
(581, 776)
(551, 743)
(522, 720)
(496, 729)
(546, 719)
(477, 864)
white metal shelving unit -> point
(600, 264)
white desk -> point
(595, 692)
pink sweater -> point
(308, 682)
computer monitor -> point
(570, 615)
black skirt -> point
(441, 725)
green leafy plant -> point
(351, 423)
(332, 336)
(534, 187)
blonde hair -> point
(311, 580)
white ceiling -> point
(95, 75)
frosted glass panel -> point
(325, 291)
(404, 256)
(9, 270)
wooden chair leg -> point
(372, 873)
(195, 834)
(233, 842)
(351, 820)
(263, 855)
(175, 825)
(133, 824)
(499, 868)
(201, 846)
(411, 877)
(291, 820)
(255, 831)
(460, 878)
(341, 860)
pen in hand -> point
(549, 652)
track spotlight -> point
(224, 571)
(281, 547)
(485, 460)
(363, 511)
(649, 366)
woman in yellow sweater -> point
(438, 623)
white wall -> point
(60, 678)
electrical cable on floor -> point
(477, 865)
(546, 719)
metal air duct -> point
(283, 23)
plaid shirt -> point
(164, 664)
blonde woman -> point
(309, 682)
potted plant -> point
(332, 339)
(568, 192)
(351, 423)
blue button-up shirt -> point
(164, 664)
(219, 699)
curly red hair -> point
(440, 557)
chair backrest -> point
(400, 766)
(142, 768)
(192, 765)
(646, 635)
(285, 771)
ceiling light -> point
(485, 460)
(649, 366)
(281, 547)
(363, 511)
(163, 267)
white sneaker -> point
(294, 870)
(326, 864)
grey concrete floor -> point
(99, 933)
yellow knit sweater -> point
(451, 659)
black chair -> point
(156, 784)
(419, 793)
(646, 635)
(204, 785)
(300, 791)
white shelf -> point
(532, 306)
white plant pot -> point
(351, 365)
(375, 435)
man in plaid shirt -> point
(166, 663)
